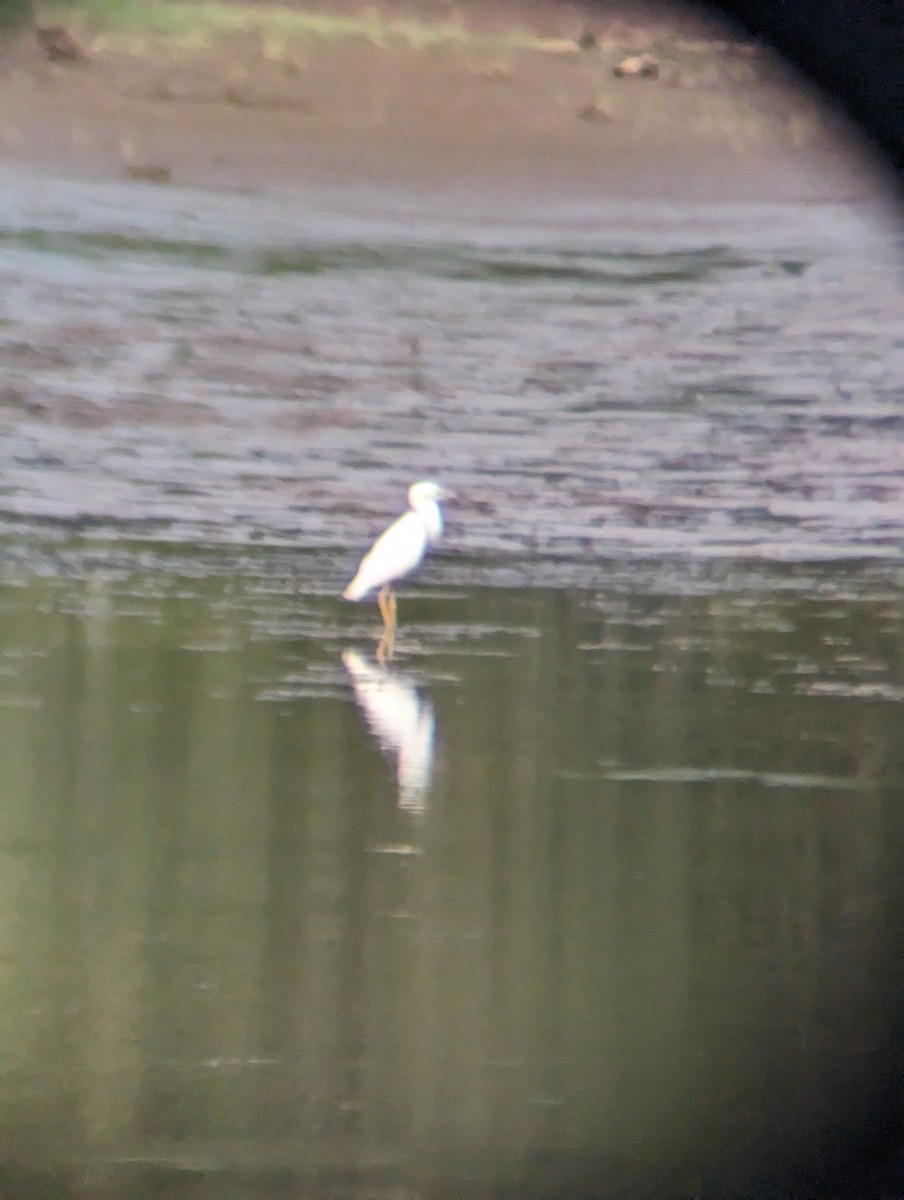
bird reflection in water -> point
(401, 720)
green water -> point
(634, 920)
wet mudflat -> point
(622, 379)
(598, 881)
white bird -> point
(399, 550)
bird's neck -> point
(429, 512)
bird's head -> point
(427, 490)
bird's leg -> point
(387, 601)
(381, 600)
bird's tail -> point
(354, 591)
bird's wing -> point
(393, 554)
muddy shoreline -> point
(698, 383)
(722, 119)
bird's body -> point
(395, 553)
(398, 551)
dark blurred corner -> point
(853, 50)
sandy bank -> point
(721, 120)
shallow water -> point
(595, 887)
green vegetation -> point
(202, 23)
(15, 12)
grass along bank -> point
(200, 25)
